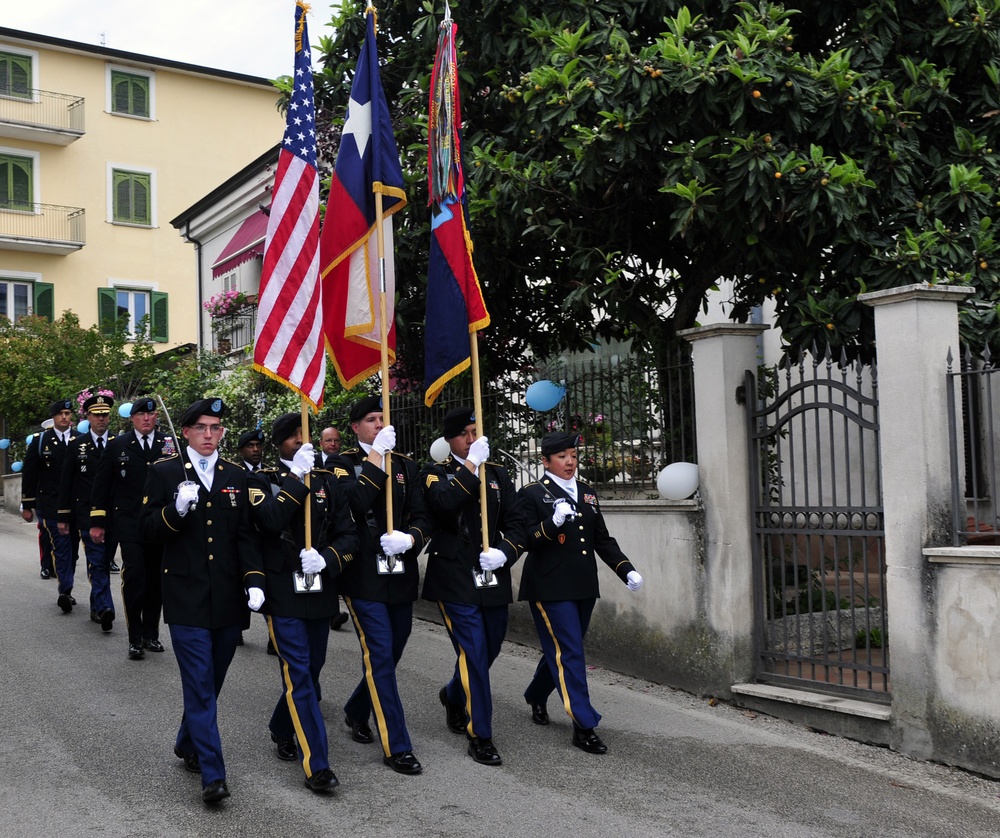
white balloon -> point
(440, 449)
(677, 481)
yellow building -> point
(99, 149)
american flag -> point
(289, 341)
(367, 163)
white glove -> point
(385, 440)
(561, 511)
(479, 451)
(255, 598)
(303, 460)
(634, 580)
(312, 561)
(396, 542)
(492, 559)
(187, 497)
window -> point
(129, 94)
(16, 182)
(19, 298)
(15, 75)
(132, 197)
(129, 306)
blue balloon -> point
(125, 410)
(544, 395)
(84, 426)
(4, 443)
(28, 438)
(16, 466)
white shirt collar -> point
(568, 486)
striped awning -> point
(246, 243)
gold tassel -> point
(301, 25)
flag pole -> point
(384, 341)
(477, 405)
(308, 475)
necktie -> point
(145, 443)
(100, 443)
(203, 464)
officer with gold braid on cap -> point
(470, 585)
(559, 582)
(301, 597)
(197, 509)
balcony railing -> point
(42, 115)
(234, 332)
(42, 228)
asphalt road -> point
(87, 750)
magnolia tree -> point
(628, 156)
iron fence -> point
(633, 420)
(234, 332)
(42, 222)
(975, 466)
(44, 109)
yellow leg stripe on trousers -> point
(296, 721)
(559, 666)
(366, 657)
(463, 670)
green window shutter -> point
(129, 93)
(132, 197)
(158, 330)
(107, 311)
(15, 75)
(16, 182)
(44, 300)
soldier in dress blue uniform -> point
(559, 582)
(471, 585)
(381, 584)
(197, 509)
(40, 477)
(82, 458)
(250, 447)
(300, 594)
(115, 506)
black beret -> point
(143, 406)
(98, 404)
(60, 406)
(256, 435)
(558, 441)
(284, 426)
(455, 421)
(202, 407)
(369, 404)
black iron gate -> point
(818, 531)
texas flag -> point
(367, 164)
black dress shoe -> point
(95, 617)
(454, 714)
(191, 762)
(337, 620)
(72, 599)
(323, 780)
(287, 750)
(403, 763)
(270, 647)
(113, 568)
(589, 741)
(484, 751)
(45, 573)
(539, 715)
(152, 645)
(106, 618)
(360, 731)
(215, 791)
(64, 603)
(135, 653)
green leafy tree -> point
(627, 157)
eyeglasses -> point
(214, 430)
